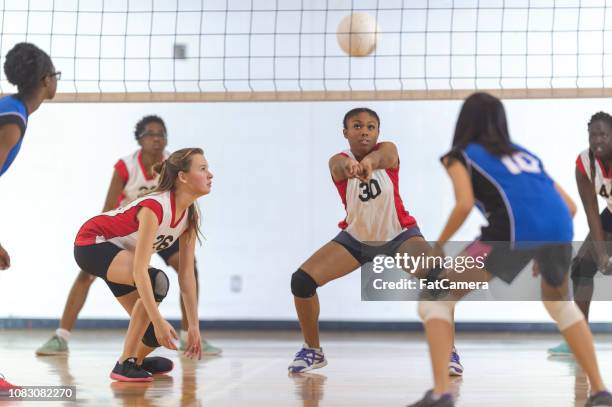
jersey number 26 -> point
(162, 242)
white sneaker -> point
(454, 365)
(307, 359)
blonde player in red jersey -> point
(117, 247)
(133, 177)
(367, 178)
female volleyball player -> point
(133, 177)
(32, 71)
(117, 247)
(593, 177)
(526, 210)
(367, 178)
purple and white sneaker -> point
(307, 359)
(454, 365)
(601, 399)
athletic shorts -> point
(606, 220)
(365, 253)
(584, 267)
(506, 263)
(168, 252)
(96, 259)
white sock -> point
(307, 346)
(63, 333)
(183, 335)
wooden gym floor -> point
(365, 369)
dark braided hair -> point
(603, 116)
(356, 111)
(25, 66)
(142, 123)
(607, 119)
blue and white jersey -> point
(516, 196)
(13, 110)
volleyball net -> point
(253, 50)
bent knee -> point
(303, 285)
(85, 278)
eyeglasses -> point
(152, 134)
(57, 74)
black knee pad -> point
(302, 285)
(160, 283)
(583, 270)
(149, 338)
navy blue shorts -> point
(365, 253)
(606, 220)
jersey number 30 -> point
(521, 162)
(369, 190)
(162, 242)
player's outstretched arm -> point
(147, 227)
(385, 156)
(464, 200)
(187, 282)
(567, 199)
(9, 136)
(343, 167)
(114, 191)
(586, 189)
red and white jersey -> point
(603, 179)
(133, 173)
(374, 210)
(120, 226)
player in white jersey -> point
(367, 179)
(132, 178)
(593, 177)
(117, 247)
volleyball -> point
(357, 34)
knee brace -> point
(302, 285)
(160, 283)
(565, 313)
(583, 270)
(149, 338)
(436, 310)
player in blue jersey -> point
(529, 218)
(31, 70)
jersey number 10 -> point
(521, 162)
